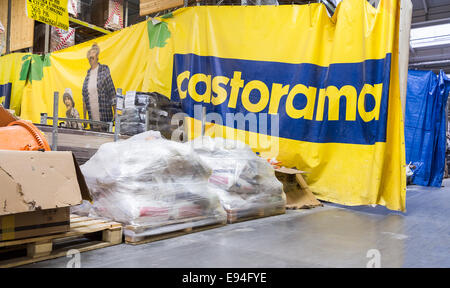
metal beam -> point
(82, 23)
(429, 58)
(430, 63)
(126, 14)
(431, 47)
(430, 23)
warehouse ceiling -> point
(432, 14)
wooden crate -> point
(22, 27)
(240, 215)
(171, 229)
(151, 6)
(85, 234)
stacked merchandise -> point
(73, 7)
(60, 39)
(108, 14)
(245, 183)
(84, 10)
(152, 185)
(132, 120)
(114, 21)
(2, 38)
(160, 110)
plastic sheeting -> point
(425, 132)
(243, 181)
(149, 182)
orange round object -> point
(23, 136)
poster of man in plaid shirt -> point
(99, 93)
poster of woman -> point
(98, 91)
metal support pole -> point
(425, 8)
(116, 117)
(55, 122)
(403, 53)
(8, 29)
(126, 14)
(47, 39)
(203, 120)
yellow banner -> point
(13, 73)
(317, 93)
(51, 12)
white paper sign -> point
(130, 97)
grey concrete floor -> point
(329, 236)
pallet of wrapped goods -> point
(155, 187)
(245, 183)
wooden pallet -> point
(240, 215)
(85, 234)
(182, 231)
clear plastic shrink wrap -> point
(246, 184)
(132, 121)
(151, 185)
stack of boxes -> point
(148, 111)
(38, 189)
(108, 14)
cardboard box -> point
(298, 194)
(107, 14)
(32, 224)
(37, 190)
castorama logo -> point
(341, 103)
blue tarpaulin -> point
(425, 131)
